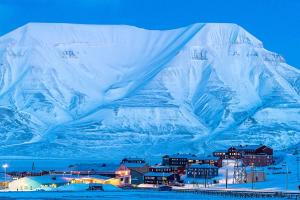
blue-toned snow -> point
(111, 91)
(133, 195)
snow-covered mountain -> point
(112, 91)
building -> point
(205, 171)
(137, 171)
(234, 153)
(259, 160)
(4, 180)
(222, 154)
(17, 174)
(256, 175)
(206, 160)
(188, 159)
(120, 172)
(177, 159)
(97, 179)
(254, 149)
(46, 182)
(180, 170)
(38, 182)
(133, 160)
(158, 178)
(258, 155)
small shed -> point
(255, 176)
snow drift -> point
(108, 90)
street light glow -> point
(5, 166)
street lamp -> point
(5, 166)
(286, 175)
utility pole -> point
(298, 160)
(253, 172)
(226, 178)
(287, 177)
(239, 173)
(296, 153)
(205, 171)
(194, 181)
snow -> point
(80, 187)
(117, 90)
(134, 195)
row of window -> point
(196, 169)
(161, 170)
(157, 178)
(202, 173)
(220, 153)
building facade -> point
(158, 178)
(259, 160)
(185, 160)
(204, 171)
(167, 169)
(133, 160)
(177, 159)
(137, 171)
(255, 176)
(257, 155)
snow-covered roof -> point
(182, 155)
(134, 165)
(204, 158)
(191, 156)
(161, 166)
(134, 159)
(93, 176)
(95, 167)
(248, 147)
(157, 174)
(47, 179)
(203, 166)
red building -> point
(259, 160)
(158, 178)
(257, 155)
(180, 170)
(185, 160)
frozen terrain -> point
(134, 195)
(113, 91)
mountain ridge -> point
(207, 85)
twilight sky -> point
(275, 22)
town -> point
(236, 165)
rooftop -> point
(181, 155)
(158, 174)
(97, 167)
(203, 166)
(134, 159)
(135, 165)
(248, 147)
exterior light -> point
(5, 166)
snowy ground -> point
(277, 177)
(133, 195)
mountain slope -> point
(82, 90)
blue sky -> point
(275, 22)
